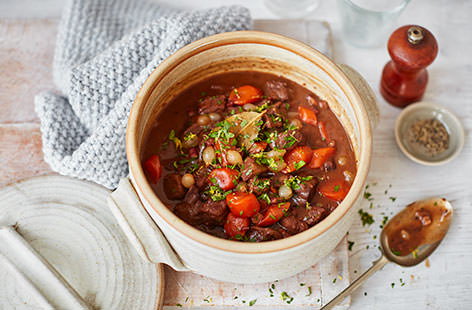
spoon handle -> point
(378, 264)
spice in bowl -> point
(429, 135)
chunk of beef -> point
(173, 186)
(258, 186)
(194, 128)
(259, 234)
(287, 139)
(274, 117)
(212, 104)
(210, 213)
(277, 89)
(279, 179)
(257, 147)
(251, 169)
(304, 192)
(293, 225)
(201, 176)
(192, 196)
(213, 212)
(314, 215)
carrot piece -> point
(334, 189)
(297, 158)
(153, 168)
(236, 226)
(320, 156)
(226, 178)
(245, 94)
(274, 213)
(307, 115)
(243, 204)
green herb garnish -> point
(366, 218)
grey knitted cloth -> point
(105, 51)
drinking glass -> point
(292, 8)
(367, 23)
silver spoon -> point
(430, 219)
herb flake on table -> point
(286, 297)
(252, 302)
(366, 218)
(350, 245)
(309, 291)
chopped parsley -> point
(286, 297)
(393, 199)
(252, 302)
(309, 291)
(178, 305)
(216, 193)
(189, 136)
(384, 221)
(299, 164)
(177, 142)
(207, 299)
(265, 197)
(350, 245)
(336, 188)
(222, 131)
(271, 162)
(295, 181)
(366, 218)
(368, 196)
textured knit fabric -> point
(105, 51)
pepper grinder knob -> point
(404, 78)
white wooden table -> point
(445, 282)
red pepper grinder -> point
(404, 78)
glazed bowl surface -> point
(348, 96)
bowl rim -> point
(249, 37)
(428, 106)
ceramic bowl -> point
(428, 110)
(187, 248)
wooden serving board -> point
(26, 52)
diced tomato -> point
(334, 189)
(297, 158)
(226, 178)
(274, 213)
(245, 94)
(236, 225)
(258, 147)
(153, 168)
(243, 204)
(320, 156)
(307, 115)
(323, 131)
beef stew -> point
(249, 156)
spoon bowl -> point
(408, 238)
(440, 216)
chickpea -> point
(285, 192)
(203, 120)
(208, 155)
(234, 157)
(188, 180)
(249, 107)
(215, 117)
